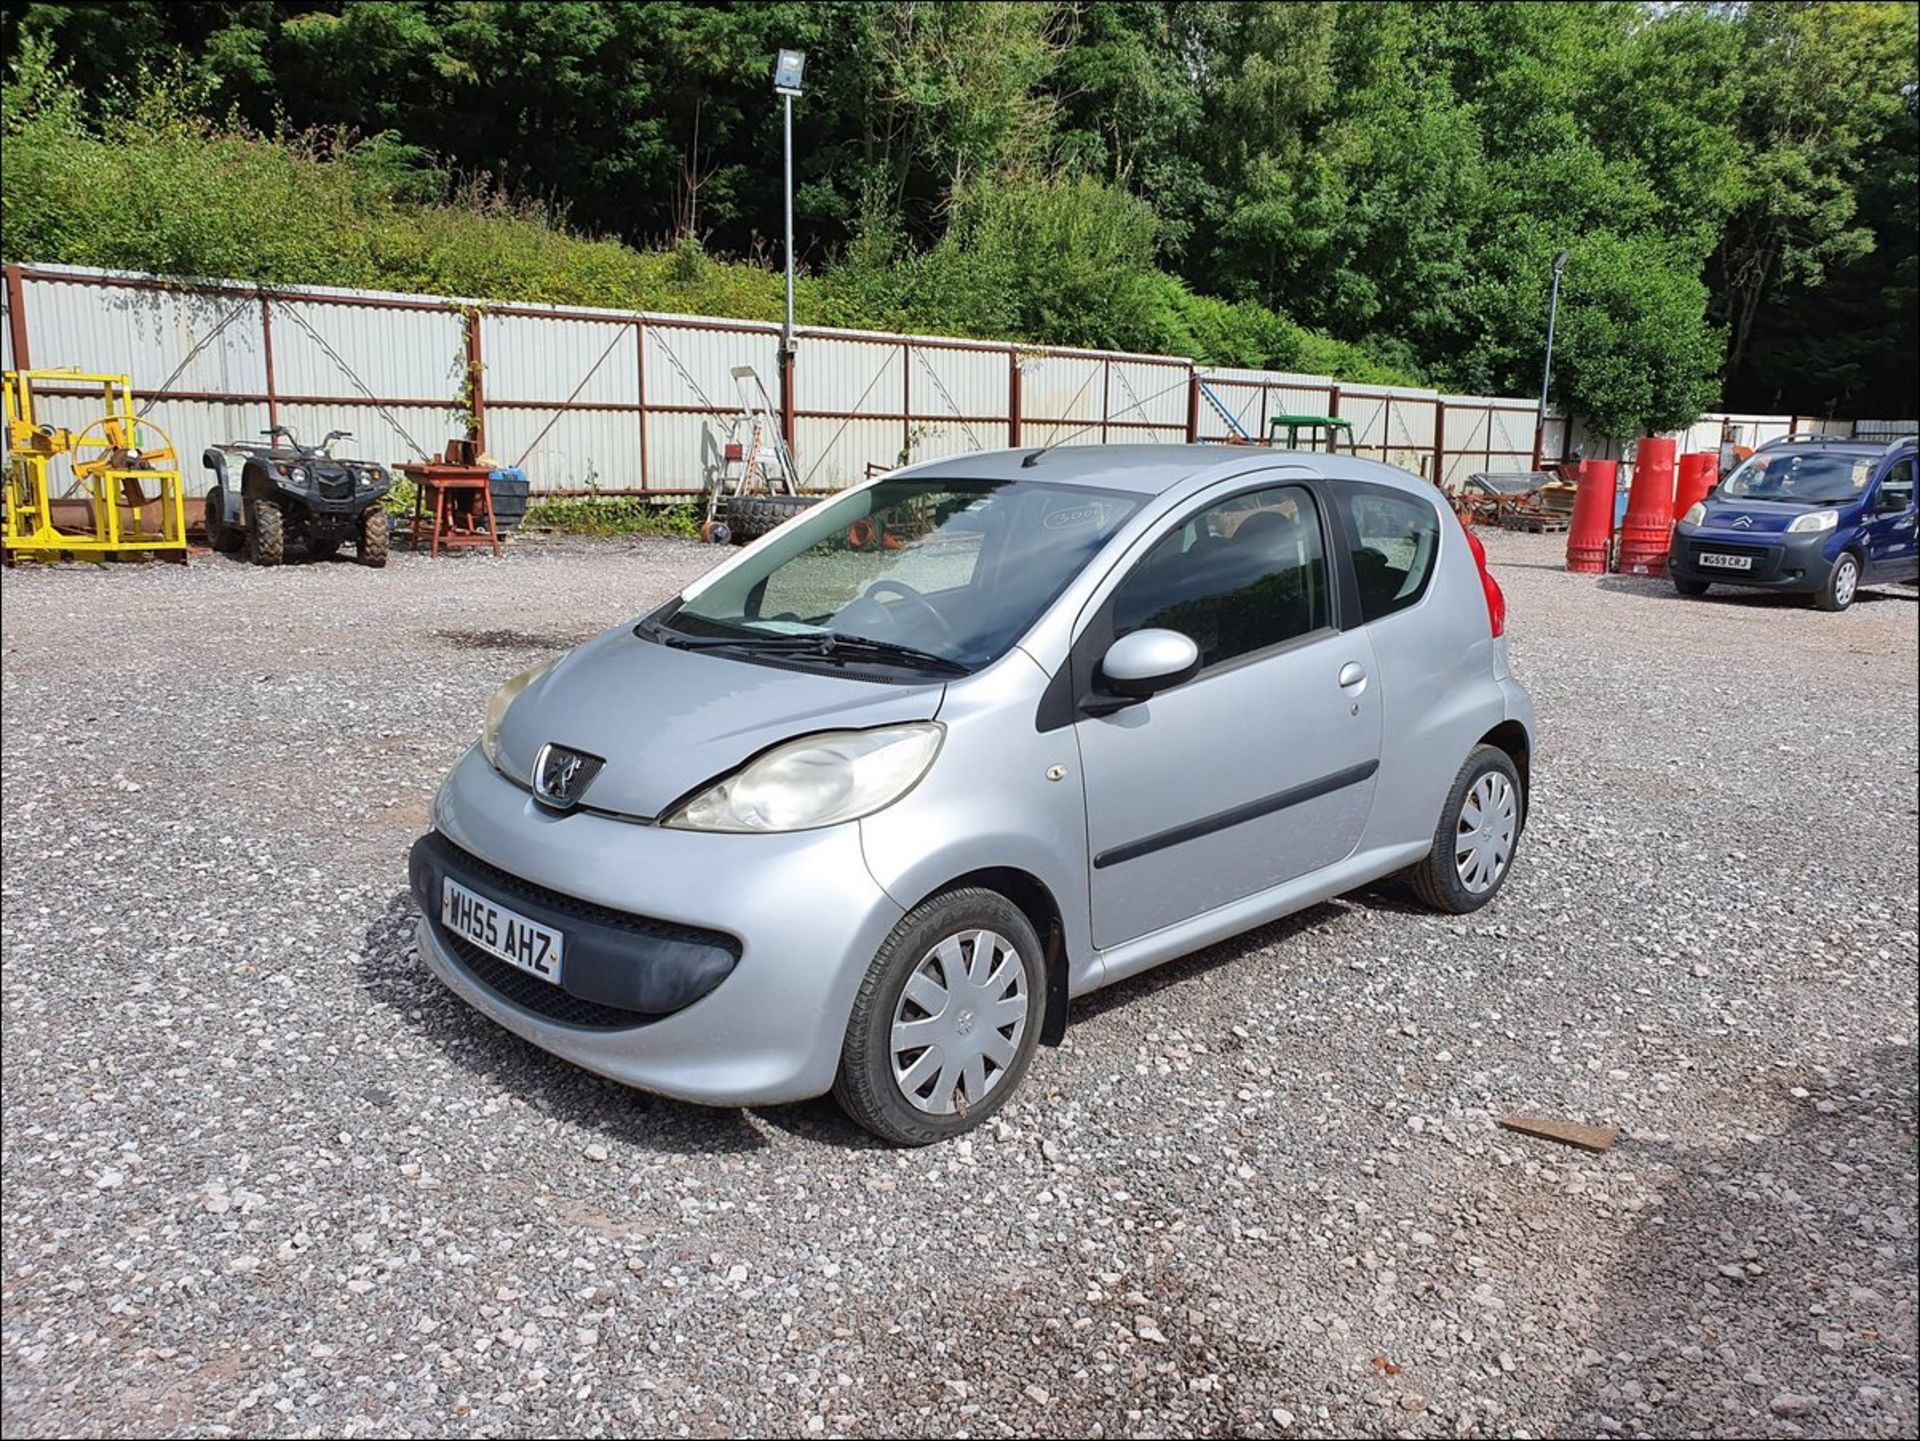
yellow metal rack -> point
(123, 463)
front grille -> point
(531, 993)
(499, 880)
(340, 488)
(1728, 547)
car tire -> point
(982, 932)
(1469, 864)
(1842, 585)
(266, 533)
(219, 536)
(370, 538)
(751, 516)
(1688, 586)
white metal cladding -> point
(849, 377)
(148, 334)
(683, 451)
(1146, 393)
(1887, 430)
(322, 349)
(833, 454)
(690, 365)
(1498, 432)
(945, 381)
(195, 425)
(1242, 399)
(932, 439)
(1060, 386)
(541, 358)
(569, 449)
(390, 434)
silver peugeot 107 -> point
(866, 807)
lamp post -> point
(1546, 370)
(788, 69)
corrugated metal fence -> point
(621, 401)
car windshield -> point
(935, 574)
(1799, 478)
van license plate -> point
(500, 932)
(1726, 562)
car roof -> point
(1154, 469)
(1853, 445)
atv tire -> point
(266, 533)
(751, 516)
(219, 536)
(370, 540)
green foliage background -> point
(1368, 190)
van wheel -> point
(1687, 586)
(946, 1021)
(1478, 833)
(1843, 583)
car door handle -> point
(1353, 676)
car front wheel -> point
(946, 1021)
(1843, 583)
(1478, 833)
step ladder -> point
(757, 456)
(1240, 434)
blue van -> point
(1810, 515)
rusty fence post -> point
(17, 319)
(476, 385)
(266, 354)
(1016, 423)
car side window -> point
(1896, 488)
(1395, 539)
(1248, 573)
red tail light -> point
(1496, 598)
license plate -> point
(1726, 562)
(500, 932)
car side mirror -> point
(1149, 661)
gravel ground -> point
(263, 1176)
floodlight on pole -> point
(1546, 370)
(789, 69)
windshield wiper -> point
(826, 644)
(834, 642)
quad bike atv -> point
(294, 498)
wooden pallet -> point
(1537, 524)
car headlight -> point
(1814, 520)
(1696, 513)
(498, 706)
(817, 780)
(298, 475)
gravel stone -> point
(265, 1177)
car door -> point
(1892, 542)
(1260, 768)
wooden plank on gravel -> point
(1567, 1133)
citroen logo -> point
(560, 775)
(1743, 522)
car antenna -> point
(1032, 459)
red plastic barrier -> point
(1697, 473)
(1590, 535)
(1648, 528)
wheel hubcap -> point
(959, 1022)
(1844, 582)
(1489, 820)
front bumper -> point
(803, 911)
(1797, 563)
